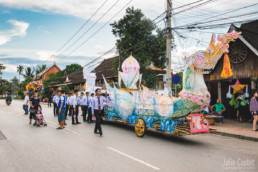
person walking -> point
(69, 103)
(61, 109)
(97, 110)
(254, 109)
(85, 105)
(89, 117)
(26, 103)
(75, 107)
(55, 101)
(78, 99)
(66, 104)
(82, 106)
(49, 100)
(34, 106)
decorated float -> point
(134, 104)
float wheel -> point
(140, 127)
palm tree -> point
(39, 68)
(20, 70)
(2, 67)
(29, 73)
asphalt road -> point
(26, 148)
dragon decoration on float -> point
(132, 100)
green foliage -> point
(20, 69)
(15, 85)
(65, 88)
(150, 79)
(73, 68)
(5, 86)
(2, 67)
(140, 36)
(40, 68)
(29, 73)
(22, 88)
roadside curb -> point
(238, 136)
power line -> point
(97, 30)
(210, 21)
(86, 22)
(89, 28)
(190, 8)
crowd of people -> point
(69, 105)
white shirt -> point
(73, 101)
(95, 103)
(85, 100)
(90, 102)
(68, 100)
(55, 99)
(78, 100)
(26, 100)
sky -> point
(32, 32)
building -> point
(73, 80)
(53, 69)
(243, 56)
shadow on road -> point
(183, 140)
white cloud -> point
(85, 8)
(19, 29)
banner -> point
(90, 82)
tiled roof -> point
(75, 77)
(106, 69)
(45, 70)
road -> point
(25, 148)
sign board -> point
(176, 79)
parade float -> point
(134, 104)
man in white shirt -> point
(97, 110)
(69, 107)
(89, 118)
(55, 102)
(85, 105)
(66, 103)
(75, 107)
(26, 103)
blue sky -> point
(31, 32)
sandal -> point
(59, 128)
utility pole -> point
(168, 45)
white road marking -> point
(64, 128)
(51, 125)
(135, 159)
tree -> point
(65, 88)
(22, 88)
(20, 70)
(73, 68)
(15, 85)
(140, 36)
(2, 67)
(29, 73)
(5, 86)
(40, 68)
